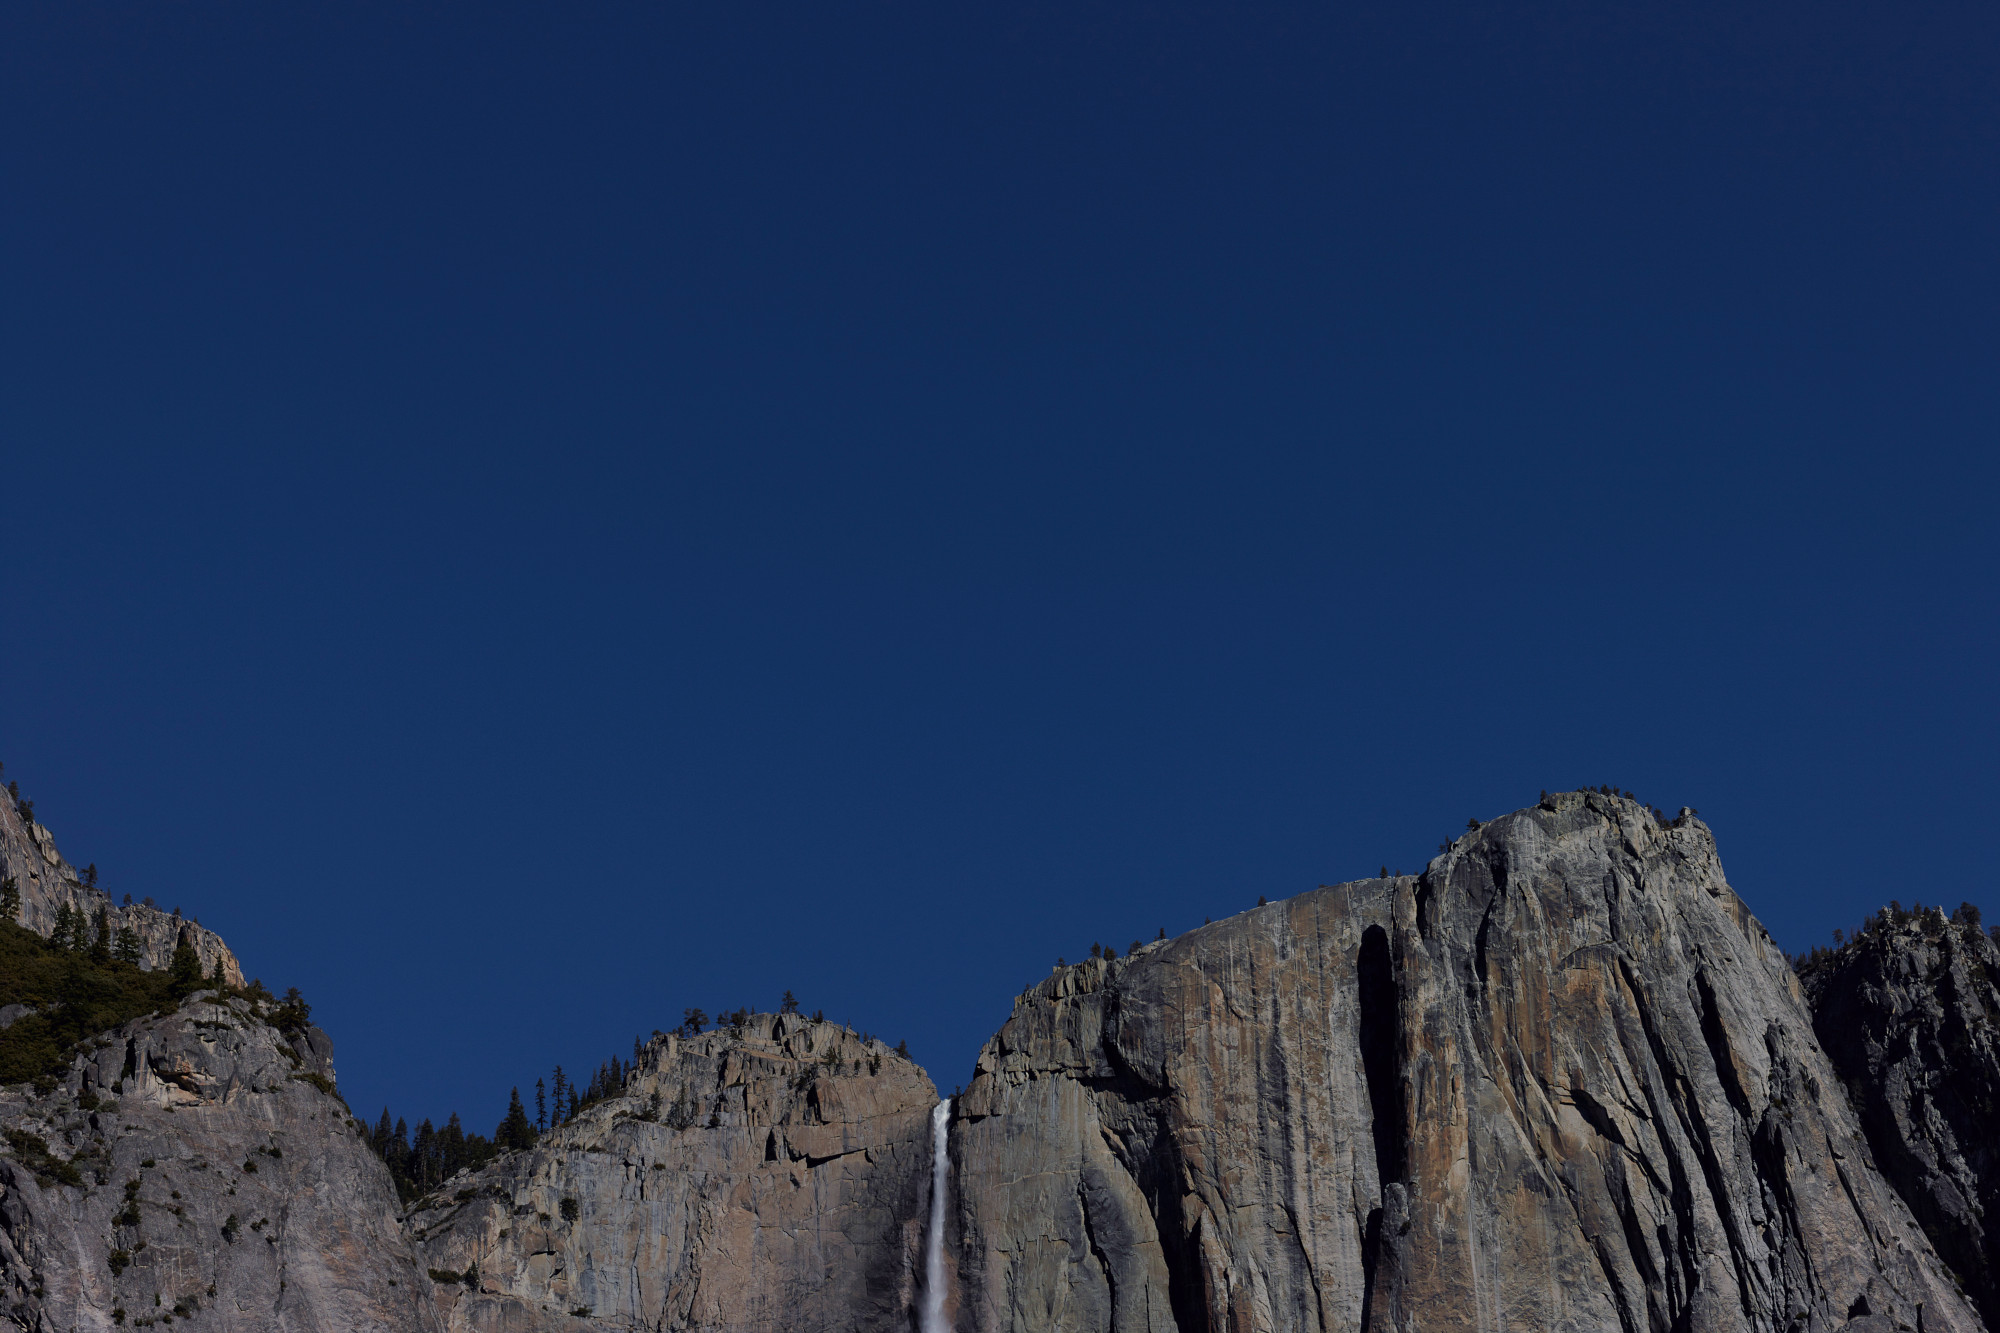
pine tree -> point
(541, 1108)
(10, 899)
(128, 949)
(63, 928)
(215, 977)
(515, 1133)
(451, 1147)
(558, 1089)
(185, 970)
(423, 1156)
(789, 1005)
(293, 1015)
(100, 948)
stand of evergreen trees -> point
(421, 1162)
(82, 983)
(1965, 919)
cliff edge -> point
(1560, 1080)
(768, 1176)
(47, 884)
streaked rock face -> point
(214, 1175)
(787, 1191)
(1560, 1080)
(47, 882)
(1906, 1013)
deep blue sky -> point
(530, 518)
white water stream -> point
(933, 1310)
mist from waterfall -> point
(932, 1320)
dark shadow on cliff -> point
(1381, 1044)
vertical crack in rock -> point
(1381, 1040)
(1717, 1039)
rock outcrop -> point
(1906, 1012)
(196, 1167)
(48, 883)
(1560, 1080)
(770, 1176)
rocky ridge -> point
(48, 883)
(1560, 1080)
(767, 1176)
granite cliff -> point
(1562, 1079)
(767, 1176)
(1906, 1012)
(196, 1167)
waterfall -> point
(933, 1311)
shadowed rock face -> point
(1561, 1080)
(788, 1192)
(1906, 1013)
(47, 882)
(202, 1116)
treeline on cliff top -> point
(422, 1159)
(1931, 920)
(80, 984)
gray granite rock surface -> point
(770, 1176)
(195, 1167)
(1561, 1080)
(1906, 1012)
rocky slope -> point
(196, 1168)
(47, 883)
(767, 1177)
(1907, 1012)
(1561, 1080)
